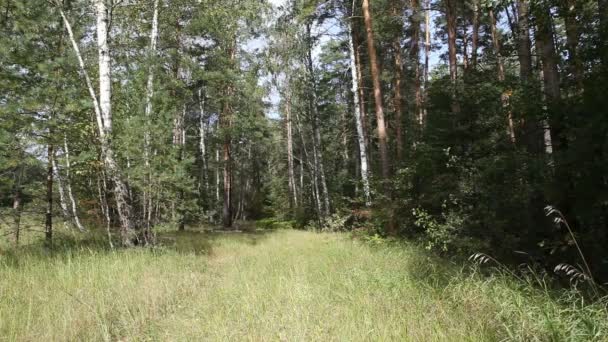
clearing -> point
(276, 286)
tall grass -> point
(286, 285)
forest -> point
(304, 170)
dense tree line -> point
(455, 122)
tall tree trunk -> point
(313, 171)
(427, 54)
(317, 142)
(602, 6)
(358, 115)
(147, 195)
(572, 38)
(203, 141)
(532, 131)
(506, 95)
(415, 58)
(226, 124)
(48, 224)
(397, 97)
(524, 50)
(217, 174)
(475, 38)
(375, 71)
(453, 59)
(123, 208)
(17, 207)
(293, 189)
(179, 141)
(227, 160)
(546, 48)
(360, 85)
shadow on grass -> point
(197, 241)
(201, 241)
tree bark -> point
(293, 190)
(48, 224)
(203, 140)
(226, 123)
(546, 48)
(68, 186)
(427, 54)
(312, 167)
(415, 58)
(360, 85)
(147, 195)
(532, 131)
(62, 197)
(506, 95)
(524, 50)
(123, 207)
(375, 71)
(317, 142)
(17, 207)
(475, 38)
(602, 6)
(358, 116)
(572, 38)
(453, 59)
(397, 96)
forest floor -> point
(275, 286)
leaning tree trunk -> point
(375, 71)
(358, 116)
(103, 113)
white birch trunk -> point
(147, 196)
(359, 122)
(62, 202)
(290, 164)
(105, 108)
(202, 141)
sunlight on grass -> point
(287, 285)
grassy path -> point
(282, 286)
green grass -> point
(285, 286)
